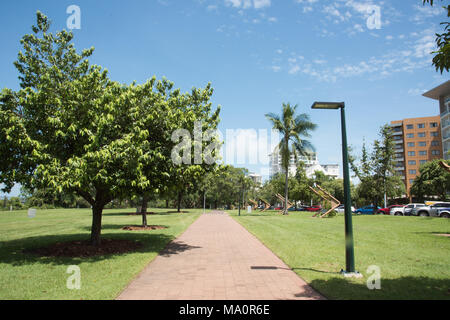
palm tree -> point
(292, 127)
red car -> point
(387, 210)
(314, 208)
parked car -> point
(341, 209)
(409, 207)
(302, 208)
(367, 210)
(430, 211)
(314, 208)
(397, 211)
(388, 209)
(279, 208)
(444, 212)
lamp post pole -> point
(349, 246)
(349, 250)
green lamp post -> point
(349, 246)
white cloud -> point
(245, 4)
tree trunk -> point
(180, 196)
(167, 203)
(286, 191)
(144, 210)
(97, 210)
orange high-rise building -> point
(417, 141)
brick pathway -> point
(217, 259)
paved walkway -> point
(217, 259)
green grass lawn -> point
(26, 276)
(414, 261)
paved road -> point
(217, 259)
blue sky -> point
(260, 53)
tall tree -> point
(376, 170)
(71, 129)
(441, 59)
(292, 128)
(433, 180)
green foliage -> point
(432, 180)
(292, 128)
(441, 59)
(72, 130)
(376, 171)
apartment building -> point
(311, 165)
(417, 140)
(442, 94)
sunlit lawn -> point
(25, 276)
(414, 260)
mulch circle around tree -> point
(141, 228)
(83, 249)
(140, 214)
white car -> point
(341, 209)
(397, 211)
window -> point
(421, 125)
(422, 153)
(436, 152)
(421, 135)
(409, 126)
(433, 125)
(422, 144)
(435, 143)
(412, 171)
(411, 144)
(411, 153)
(411, 181)
(410, 135)
(422, 162)
(434, 134)
(412, 162)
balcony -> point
(398, 141)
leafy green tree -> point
(292, 127)
(376, 170)
(198, 121)
(433, 180)
(441, 59)
(71, 129)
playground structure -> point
(283, 199)
(266, 205)
(254, 204)
(327, 197)
(445, 166)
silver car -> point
(411, 208)
(431, 211)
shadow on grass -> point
(120, 226)
(12, 252)
(134, 214)
(403, 288)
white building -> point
(442, 94)
(311, 165)
(257, 179)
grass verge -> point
(26, 276)
(413, 259)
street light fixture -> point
(349, 247)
